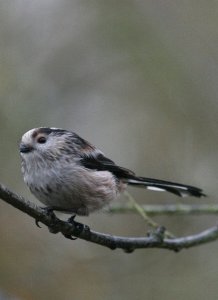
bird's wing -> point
(94, 159)
(97, 161)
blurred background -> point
(139, 80)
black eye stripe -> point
(44, 130)
(47, 130)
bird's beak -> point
(25, 148)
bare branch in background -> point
(128, 244)
(166, 209)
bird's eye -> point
(41, 140)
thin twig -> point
(138, 208)
(128, 244)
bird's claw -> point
(37, 223)
(78, 227)
(49, 212)
(71, 220)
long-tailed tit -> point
(67, 173)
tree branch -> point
(129, 244)
(167, 209)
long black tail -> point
(162, 185)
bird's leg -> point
(49, 212)
(72, 222)
(78, 227)
(71, 219)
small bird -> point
(67, 173)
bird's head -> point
(43, 142)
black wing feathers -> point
(101, 163)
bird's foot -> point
(78, 227)
(49, 211)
